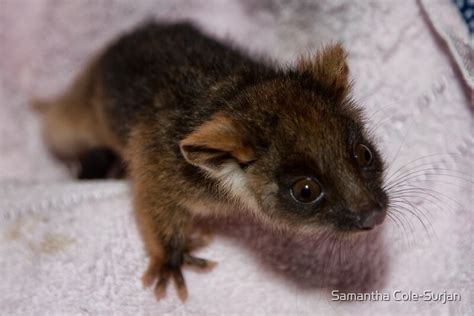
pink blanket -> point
(69, 247)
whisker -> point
(421, 158)
(394, 219)
(408, 223)
(417, 168)
(389, 186)
(378, 124)
(429, 166)
(424, 198)
(435, 192)
(423, 212)
(396, 212)
(402, 142)
(412, 211)
(382, 108)
(458, 185)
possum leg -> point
(167, 228)
(166, 232)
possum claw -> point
(162, 271)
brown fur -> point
(204, 128)
(75, 121)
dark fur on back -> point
(177, 64)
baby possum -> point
(205, 129)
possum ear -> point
(215, 143)
(329, 68)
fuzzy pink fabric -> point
(69, 247)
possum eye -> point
(363, 155)
(306, 190)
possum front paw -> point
(170, 266)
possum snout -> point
(369, 218)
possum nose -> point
(368, 219)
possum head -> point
(295, 151)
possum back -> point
(166, 62)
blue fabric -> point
(466, 8)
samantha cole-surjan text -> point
(398, 295)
